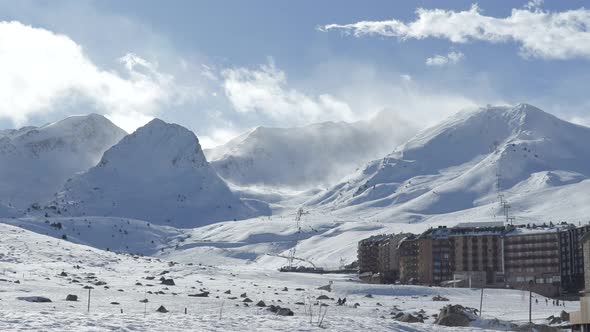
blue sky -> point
(222, 67)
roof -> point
(479, 224)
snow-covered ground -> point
(121, 281)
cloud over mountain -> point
(43, 72)
(540, 34)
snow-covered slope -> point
(157, 174)
(105, 233)
(307, 156)
(458, 164)
(127, 291)
(35, 162)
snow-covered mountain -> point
(458, 165)
(36, 161)
(312, 155)
(158, 174)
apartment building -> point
(548, 259)
(531, 259)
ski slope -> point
(121, 281)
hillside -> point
(36, 161)
(127, 291)
(157, 174)
(302, 157)
(458, 165)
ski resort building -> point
(547, 259)
(378, 258)
(479, 254)
(572, 258)
(531, 260)
(580, 320)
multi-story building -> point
(368, 257)
(547, 259)
(531, 259)
(580, 320)
(378, 258)
(571, 258)
(408, 249)
(443, 255)
(479, 254)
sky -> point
(220, 68)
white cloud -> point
(406, 77)
(533, 4)
(542, 34)
(442, 60)
(43, 72)
(265, 90)
(217, 137)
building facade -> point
(378, 258)
(531, 260)
(479, 255)
(547, 259)
(572, 258)
(580, 320)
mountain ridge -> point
(158, 174)
(308, 156)
(444, 169)
(36, 161)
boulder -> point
(72, 297)
(280, 311)
(247, 300)
(439, 298)
(162, 309)
(323, 297)
(203, 294)
(455, 315)
(565, 316)
(35, 299)
(261, 304)
(285, 312)
(408, 318)
(168, 282)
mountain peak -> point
(35, 161)
(160, 142)
(158, 174)
(454, 165)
